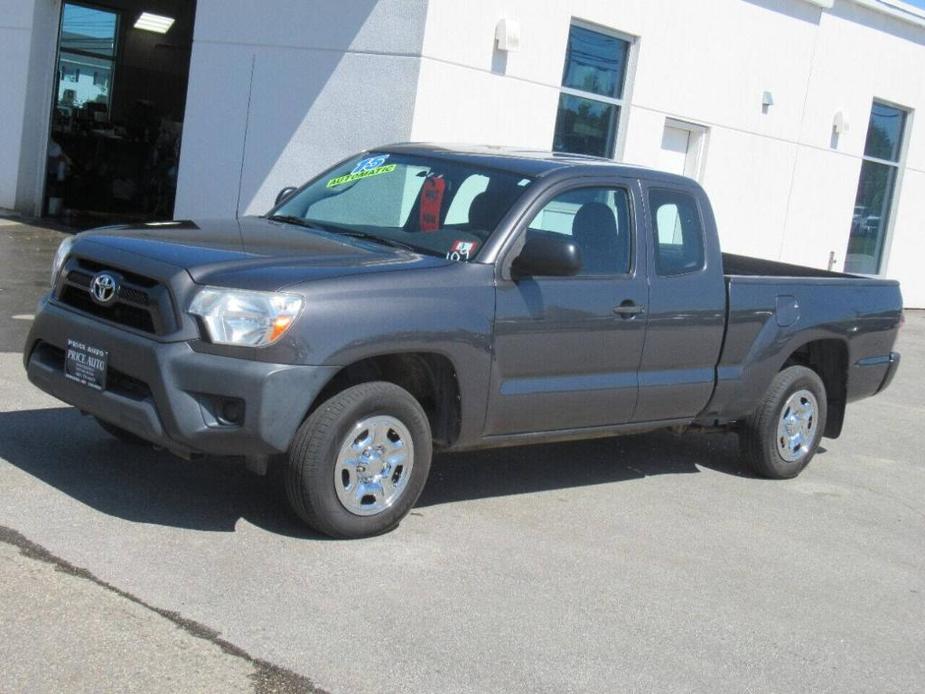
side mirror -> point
(285, 193)
(547, 256)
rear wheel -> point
(360, 461)
(120, 433)
(782, 435)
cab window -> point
(678, 232)
(597, 219)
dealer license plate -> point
(86, 364)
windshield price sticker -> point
(461, 250)
(371, 166)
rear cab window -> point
(678, 230)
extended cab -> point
(414, 297)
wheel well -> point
(430, 378)
(829, 359)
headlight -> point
(60, 256)
(251, 319)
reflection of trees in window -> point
(878, 139)
(592, 90)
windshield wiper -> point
(344, 231)
(290, 219)
(381, 239)
(365, 235)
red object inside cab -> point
(431, 202)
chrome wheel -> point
(374, 465)
(796, 429)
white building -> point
(798, 116)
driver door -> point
(565, 356)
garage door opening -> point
(117, 111)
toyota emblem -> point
(103, 288)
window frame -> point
(900, 166)
(514, 244)
(619, 139)
(653, 230)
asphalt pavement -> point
(646, 563)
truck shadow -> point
(543, 467)
(71, 453)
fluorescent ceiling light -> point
(154, 22)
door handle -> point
(628, 309)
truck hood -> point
(254, 252)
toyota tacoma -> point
(415, 298)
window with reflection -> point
(876, 189)
(86, 57)
(592, 93)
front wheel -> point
(358, 464)
(782, 435)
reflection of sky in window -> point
(884, 134)
(595, 62)
(87, 29)
(89, 22)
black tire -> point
(310, 483)
(120, 433)
(759, 435)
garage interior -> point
(118, 104)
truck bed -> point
(746, 266)
(774, 308)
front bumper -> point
(165, 392)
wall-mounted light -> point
(839, 123)
(839, 126)
(507, 34)
(767, 101)
(157, 23)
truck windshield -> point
(431, 205)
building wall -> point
(15, 43)
(780, 189)
(276, 96)
(27, 52)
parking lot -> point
(646, 563)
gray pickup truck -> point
(416, 297)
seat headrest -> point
(594, 218)
(484, 211)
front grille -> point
(141, 303)
(123, 314)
